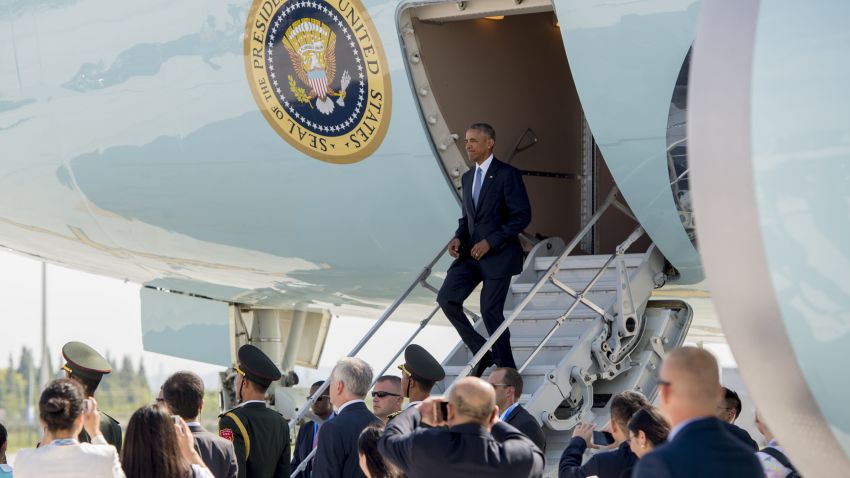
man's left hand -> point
(479, 249)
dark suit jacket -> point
(503, 212)
(216, 452)
(461, 451)
(303, 447)
(336, 453)
(607, 464)
(524, 422)
(264, 452)
(702, 449)
(742, 435)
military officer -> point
(86, 366)
(419, 372)
(259, 434)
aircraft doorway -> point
(505, 64)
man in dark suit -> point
(698, 445)
(476, 443)
(508, 385)
(260, 435)
(607, 464)
(336, 453)
(183, 394)
(308, 434)
(486, 245)
(87, 367)
(728, 410)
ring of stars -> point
(332, 14)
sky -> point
(105, 313)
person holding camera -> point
(607, 464)
(476, 441)
(161, 445)
(64, 412)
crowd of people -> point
(478, 427)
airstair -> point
(583, 328)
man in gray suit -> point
(476, 443)
(183, 393)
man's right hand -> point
(428, 411)
(454, 247)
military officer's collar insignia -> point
(319, 75)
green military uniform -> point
(259, 434)
(421, 366)
(85, 364)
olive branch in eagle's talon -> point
(300, 93)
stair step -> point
(550, 288)
(552, 314)
(530, 371)
(532, 342)
(585, 262)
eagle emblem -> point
(311, 46)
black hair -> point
(183, 392)
(4, 435)
(367, 445)
(484, 128)
(89, 384)
(512, 378)
(626, 404)
(60, 404)
(650, 421)
(733, 401)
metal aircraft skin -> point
(139, 141)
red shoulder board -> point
(226, 433)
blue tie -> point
(476, 186)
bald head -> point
(473, 401)
(691, 382)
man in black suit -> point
(728, 410)
(336, 453)
(698, 445)
(608, 464)
(476, 443)
(183, 394)
(308, 434)
(260, 435)
(508, 385)
(486, 245)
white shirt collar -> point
(252, 401)
(347, 404)
(193, 424)
(675, 430)
(485, 166)
(412, 404)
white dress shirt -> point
(75, 460)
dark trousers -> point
(462, 278)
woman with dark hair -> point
(647, 429)
(157, 444)
(64, 412)
(371, 462)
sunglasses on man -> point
(383, 394)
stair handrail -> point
(421, 280)
(541, 281)
(554, 268)
(579, 295)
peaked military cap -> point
(255, 365)
(84, 361)
(421, 365)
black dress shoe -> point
(486, 361)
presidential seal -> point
(319, 75)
